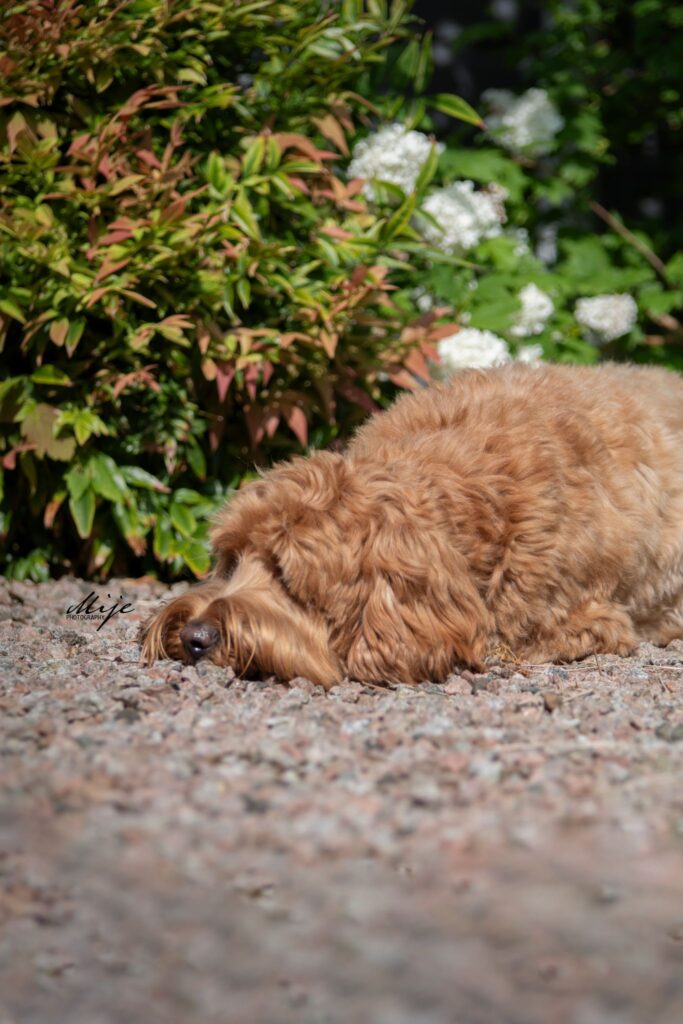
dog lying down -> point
(533, 510)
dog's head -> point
(248, 621)
(327, 568)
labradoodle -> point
(533, 510)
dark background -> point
(479, 46)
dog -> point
(532, 510)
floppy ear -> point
(289, 518)
(421, 614)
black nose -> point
(198, 638)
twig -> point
(629, 237)
(599, 667)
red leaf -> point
(417, 364)
(173, 211)
(271, 424)
(336, 232)
(251, 375)
(9, 460)
(290, 140)
(51, 510)
(95, 296)
(224, 376)
(147, 157)
(58, 331)
(332, 130)
(78, 144)
(112, 237)
(109, 268)
(357, 395)
(299, 183)
(403, 379)
(297, 423)
(445, 331)
(255, 424)
(105, 167)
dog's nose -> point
(198, 638)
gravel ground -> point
(177, 846)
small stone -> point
(457, 685)
(551, 700)
(669, 732)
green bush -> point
(189, 285)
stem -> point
(629, 237)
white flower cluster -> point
(606, 317)
(532, 355)
(464, 216)
(394, 154)
(471, 348)
(525, 124)
(537, 308)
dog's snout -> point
(198, 638)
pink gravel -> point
(178, 846)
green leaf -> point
(83, 512)
(10, 307)
(138, 477)
(186, 496)
(456, 107)
(243, 215)
(77, 481)
(163, 539)
(400, 217)
(183, 520)
(107, 479)
(428, 169)
(273, 153)
(73, 335)
(128, 521)
(196, 556)
(243, 289)
(253, 158)
(196, 461)
(50, 375)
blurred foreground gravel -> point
(178, 847)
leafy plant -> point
(190, 286)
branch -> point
(629, 237)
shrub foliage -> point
(189, 286)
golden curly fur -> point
(535, 509)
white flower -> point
(521, 237)
(524, 124)
(530, 354)
(392, 154)
(606, 317)
(546, 244)
(463, 215)
(423, 300)
(471, 348)
(537, 307)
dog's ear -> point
(284, 519)
(421, 614)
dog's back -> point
(583, 464)
(610, 398)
